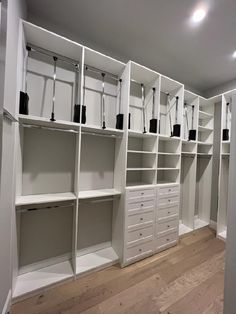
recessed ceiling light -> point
(234, 54)
(199, 15)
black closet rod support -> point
(49, 53)
(98, 71)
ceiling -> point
(155, 33)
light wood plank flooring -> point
(188, 278)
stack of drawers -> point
(167, 217)
(139, 223)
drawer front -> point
(139, 250)
(168, 201)
(136, 235)
(166, 227)
(162, 241)
(168, 191)
(140, 194)
(140, 219)
(140, 205)
(168, 212)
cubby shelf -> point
(168, 154)
(43, 122)
(204, 115)
(44, 198)
(188, 153)
(168, 168)
(140, 152)
(204, 154)
(98, 193)
(225, 154)
(96, 260)
(95, 130)
(168, 138)
(35, 280)
(138, 169)
(141, 134)
(205, 143)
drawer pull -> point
(169, 190)
(140, 234)
(169, 200)
(140, 250)
(142, 193)
(167, 240)
(141, 218)
(168, 226)
(168, 212)
(141, 205)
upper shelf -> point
(142, 74)
(98, 193)
(47, 40)
(205, 115)
(44, 198)
(95, 130)
(141, 134)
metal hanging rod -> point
(52, 54)
(100, 134)
(48, 128)
(25, 210)
(98, 71)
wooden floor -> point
(187, 279)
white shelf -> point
(41, 278)
(225, 154)
(205, 143)
(96, 260)
(168, 154)
(183, 229)
(95, 130)
(141, 134)
(138, 169)
(134, 185)
(43, 122)
(44, 198)
(189, 141)
(167, 168)
(204, 129)
(198, 223)
(204, 154)
(168, 138)
(226, 142)
(188, 153)
(98, 193)
(204, 115)
(164, 183)
(140, 152)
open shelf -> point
(204, 115)
(167, 168)
(44, 198)
(134, 133)
(95, 130)
(140, 169)
(169, 146)
(30, 120)
(140, 152)
(170, 175)
(140, 176)
(98, 193)
(96, 260)
(204, 129)
(41, 278)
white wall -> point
(16, 9)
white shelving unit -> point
(73, 178)
(224, 152)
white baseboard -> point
(7, 304)
(213, 225)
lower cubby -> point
(140, 177)
(168, 176)
(203, 192)
(94, 237)
(187, 193)
(44, 246)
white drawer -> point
(166, 227)
(168, 212)
(136, 235)
(140, 205)
(140, 219)
(168, 201)
(140, 194)
(168, 191)
(139, 250)
(166, 240)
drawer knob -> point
(142, 193)
(140, 250)
(168, 212)
(141, 205)
(168, 226)
(141, 218)
(169, 200)
(169, 190)
(140, 234)
(167, 240)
